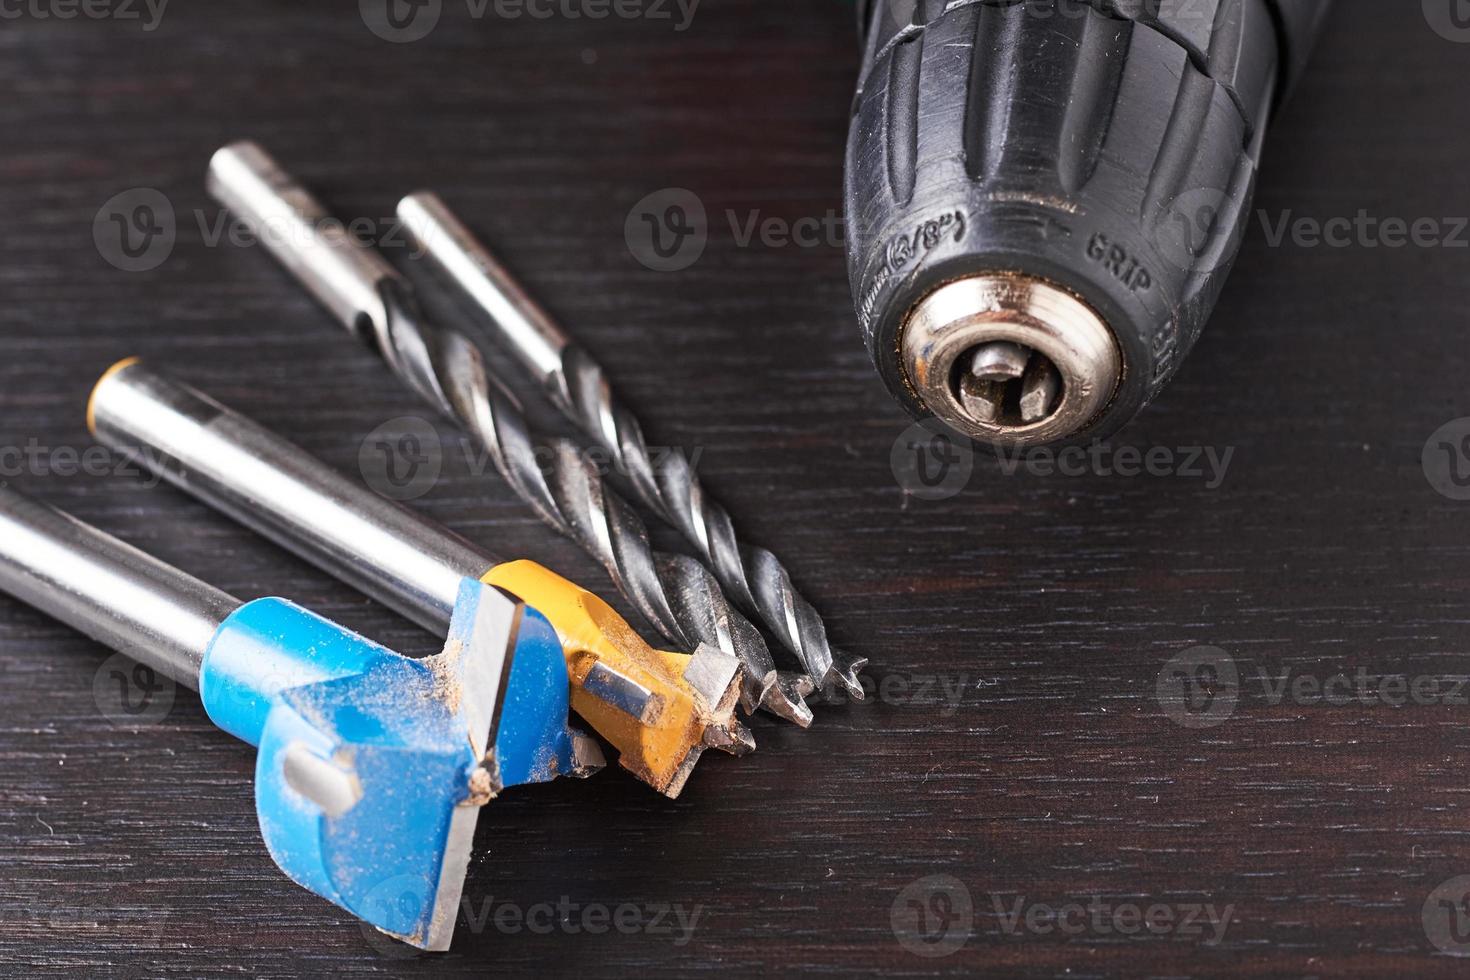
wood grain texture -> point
(1050, 604)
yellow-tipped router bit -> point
(659, 710)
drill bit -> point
(675, 594)
(665, 482)
(659, 709)
(370, 768)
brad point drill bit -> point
(675, 594)
(665, 482)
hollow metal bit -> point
(665, 482)
(675, 594)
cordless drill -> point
(1044, 197)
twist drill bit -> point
(675, 594)
(664, 482)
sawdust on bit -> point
(483, 787)
(448, 688)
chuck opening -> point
(1010, 359)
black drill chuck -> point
(1044, 197)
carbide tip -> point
(731, 737)
(786, 698)
(587, 756)
(845, 672)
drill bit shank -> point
(664, 482)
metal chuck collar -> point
(1009, 359)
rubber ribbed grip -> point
(1107, 146)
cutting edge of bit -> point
(579, 388)
(448, 370)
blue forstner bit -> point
(372, 767)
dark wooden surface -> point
(1053, 603)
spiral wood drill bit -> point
(674, 593)
(665, 482)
